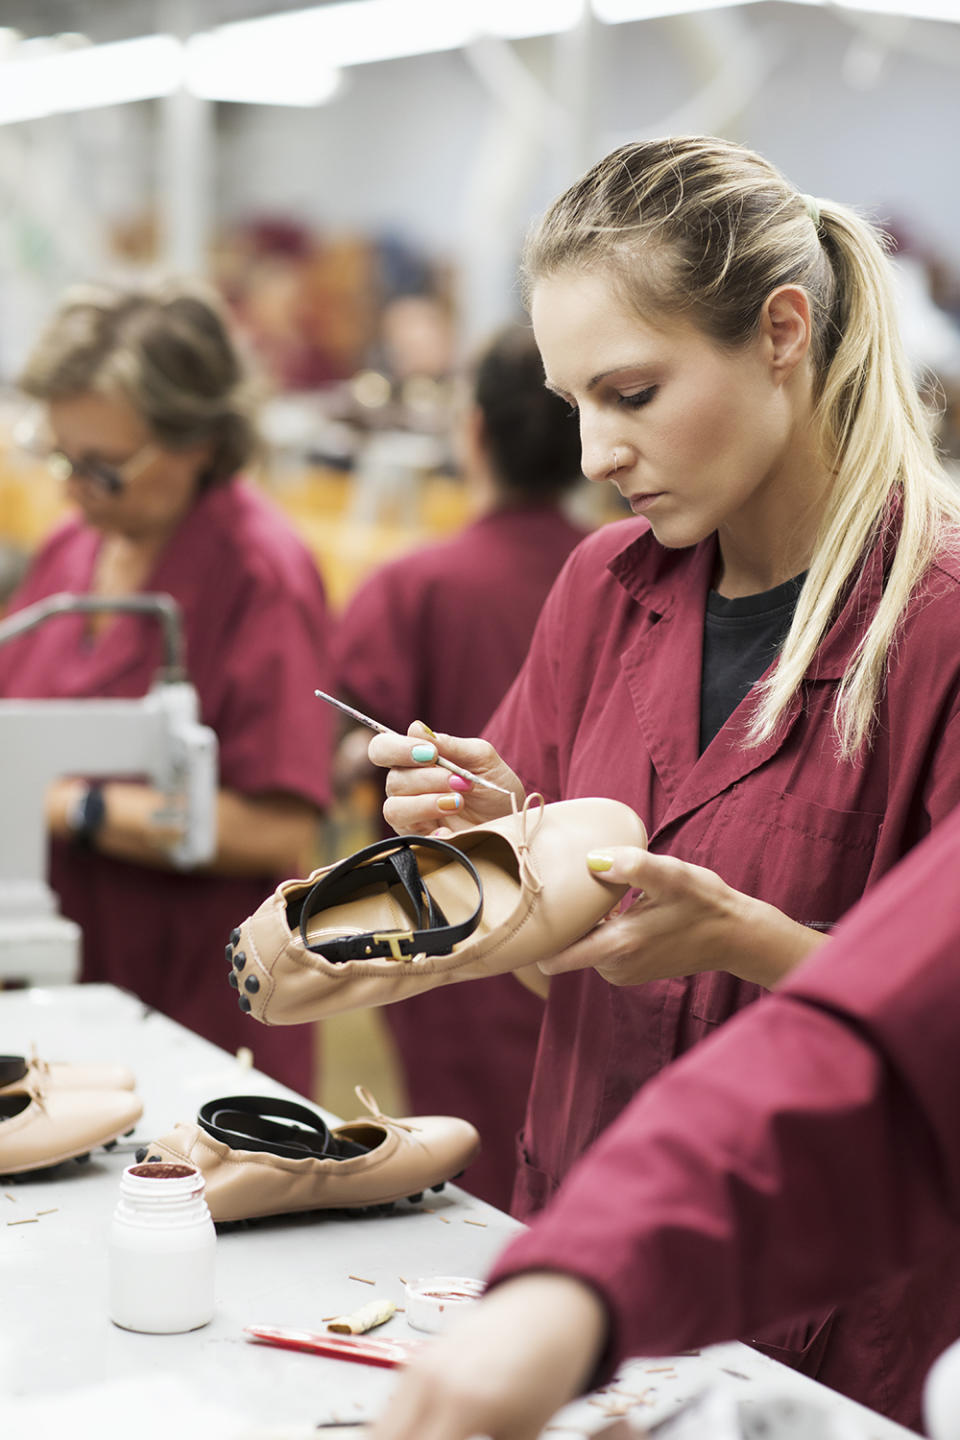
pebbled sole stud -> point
(252, 984)
(244, 1004)
(232, 980)
(140, 1155)
(239, 960)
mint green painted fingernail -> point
(599, 860)
(423, 753)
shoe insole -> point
(13, 1105)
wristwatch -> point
(86, 815)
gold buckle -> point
(393, 938)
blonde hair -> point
(168, 352)
(699, 225)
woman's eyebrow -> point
(598, 379)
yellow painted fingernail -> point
(449, 802)
(424, 726)
(599, 860)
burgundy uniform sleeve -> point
(274, 734)
(807, 1150)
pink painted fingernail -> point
(458, 782)
(449, 802)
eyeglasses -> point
(111, 478)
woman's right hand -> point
(423, 797)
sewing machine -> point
(157, 736)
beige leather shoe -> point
(409, 914)
(274, 1157)
(18, 1070)
(44, 1127)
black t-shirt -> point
(740, 639)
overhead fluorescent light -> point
(232, 67)
(360, 32)
(83, 79)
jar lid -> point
(433, 1303)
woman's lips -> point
(639, 503)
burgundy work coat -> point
(438, 635)
(256, 632)
(808, 1151)
(608, 704)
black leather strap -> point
(12, 1068)
(388, 863)
(273, 1126)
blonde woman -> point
(764, 663)
(150, 411)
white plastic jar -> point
(162, 1251)
(435, 1304)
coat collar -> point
(662, 665)
(132, 645)
(659, 579)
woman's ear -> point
(785, 324)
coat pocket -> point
(532, 1188)
(801, 1344)
(809, 860)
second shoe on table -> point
(262, 1156)
(43, 1127)
(17, 1070)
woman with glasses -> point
(150, 414)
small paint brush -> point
(450, 765)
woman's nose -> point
(600, 460)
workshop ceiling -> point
(104, 20)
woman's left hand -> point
(684, 921)
(512, 1362)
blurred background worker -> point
(439, 634)
(150, 418)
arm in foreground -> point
(805, 1151)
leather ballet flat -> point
(261, 1156)
(409, 914)
(19, 1070)
(40, 1128)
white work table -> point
(65, 1369)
